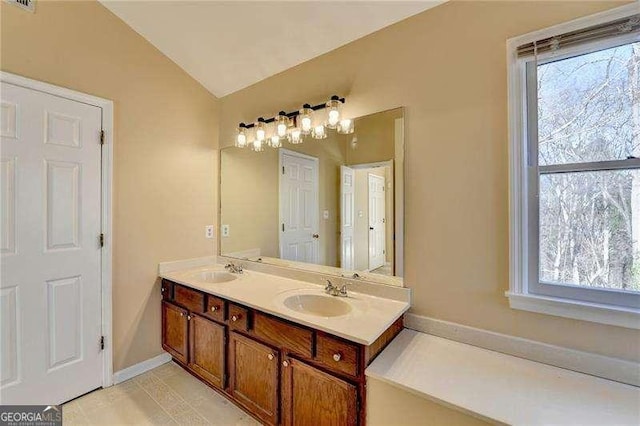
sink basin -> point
(213, 276)
(319, 305)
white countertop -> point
(369, 318)
(502, 388)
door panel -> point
(253, 376)
(50, 221)
(312, 397)
(347, 217)
(207, 349)
(377, 227)
(299, 210)
(174, 331)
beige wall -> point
(166, 131)
(447, 66)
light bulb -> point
(346, 126)
(334, 117)
(282, 123)
(305, 119)
(333, 107)
(258, 145)
(295, 136)
(319, 132)
(241, 138)
(274, 141)
(261, 132)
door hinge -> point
(282, 169)
(101, 343)
(101, 137)
(101, 238)
(283, 227)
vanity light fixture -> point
(294, 126)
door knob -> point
(316, 236)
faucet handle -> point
(329, 286)
(343, 290)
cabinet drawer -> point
(190, 299)
(238, 317)
(216, 308)
(166, 289)
(337, 354)
(283, 335)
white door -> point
(376, 222)
(50, 289)
(299, 217)
(347, 217)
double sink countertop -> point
(368, 317)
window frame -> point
(526, 291)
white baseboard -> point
(609, 368)
(141, 367)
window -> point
(575, 184)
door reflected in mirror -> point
(333, 205)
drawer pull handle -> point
(337, 357)
(285, 363)
(214, 308)
(235, 318)
(270, 356)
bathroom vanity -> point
(280, 348)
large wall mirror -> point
(333, 205)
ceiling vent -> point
(29, 5)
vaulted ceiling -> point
(229, 45)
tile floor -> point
(166, 395)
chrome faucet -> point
(234, 269)
(334, 290)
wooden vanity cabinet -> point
(207, 349)
(313, 397)
(254, 373)
(174, 331)
(278, 371)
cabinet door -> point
(174, 331)
(207, 349)
(253, 376)
(313, 397)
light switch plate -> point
(208, 231)
(225, 230)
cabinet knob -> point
(234, 318)
(189, 319)
(214, 308)
(337, 357)
(270, 356)
(181, 314)
(162, 290)
(285, 363)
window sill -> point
(603, 314)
